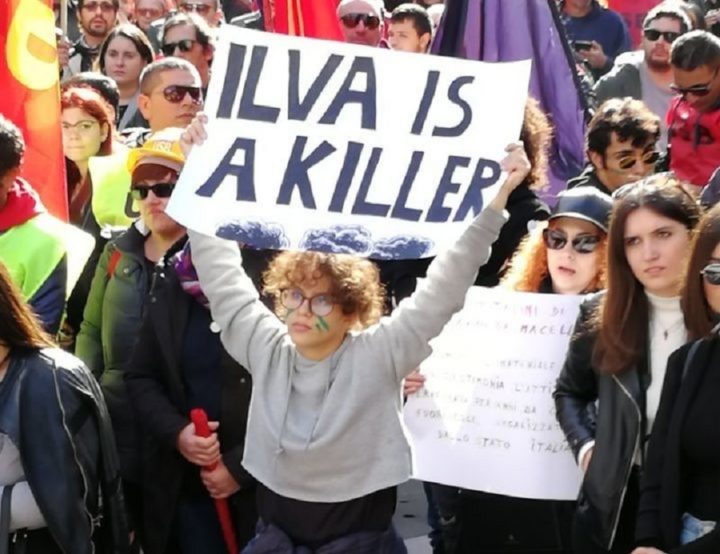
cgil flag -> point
(303, 18)
(502, 31)
(30, 97)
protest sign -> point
(485, 419)
(321, 145)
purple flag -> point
(504, 31)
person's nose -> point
(304, 307)
(649, 250)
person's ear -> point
(208, 52)
(104, 132)
(143, 103)
(596, 159)
(425, 41)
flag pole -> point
(64, 16)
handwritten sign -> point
(320, 145)
(485, 419)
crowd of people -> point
(301, 360)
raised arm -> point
(248, 329)
(405, 335)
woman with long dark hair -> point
(609, 389)
(679, 503)
(123, 55)
(58, 467)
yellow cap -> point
(160, 148)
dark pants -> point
(583, 542)
(33, 542)
(197, 527)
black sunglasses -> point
(653, 34)
(161, 190)
(176, 93)
(702, 89)
(648, 158)
(352, 20)
(185, 45)
(555, 239)
(711, 272)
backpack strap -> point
(112, 263)
(5, 519)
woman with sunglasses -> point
(567, 256)
(149, 11)
(123, 55)
(116, 302)
(679, 503)
(608, 391)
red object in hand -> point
(202, 429)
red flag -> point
(303, 18)
(29, 78)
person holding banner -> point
(679, 505)
(568, 255)
(608, 391)
(564, 256)
(325, 439)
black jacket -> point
(615, 427)
(660, 511)
(523, 207)
(156, 388)
(588, 178)
(112, 318)
(53, 410)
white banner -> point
(319, 145)
(485, 419)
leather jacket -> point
(615, 427)
(51, 407)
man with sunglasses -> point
(361, 21)
(170, 96)
(646, 74)
(96, 19)
(621, 145)
(694, 115)
(189, 37)
(209, 10)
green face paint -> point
(322, 324)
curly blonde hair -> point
(354, 282)
(529, 265)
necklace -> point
(667, 330)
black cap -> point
(584, 202)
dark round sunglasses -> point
(352, 20)
(320, 304)
(161, 190)
(648, 158)
(711, 272)
(653, 35)
(185, 45)
(176, 93)
(555, 239)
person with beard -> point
(646, 74)
(694, 115)
(96, 19)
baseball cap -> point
(586, 203)
(160, 148)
